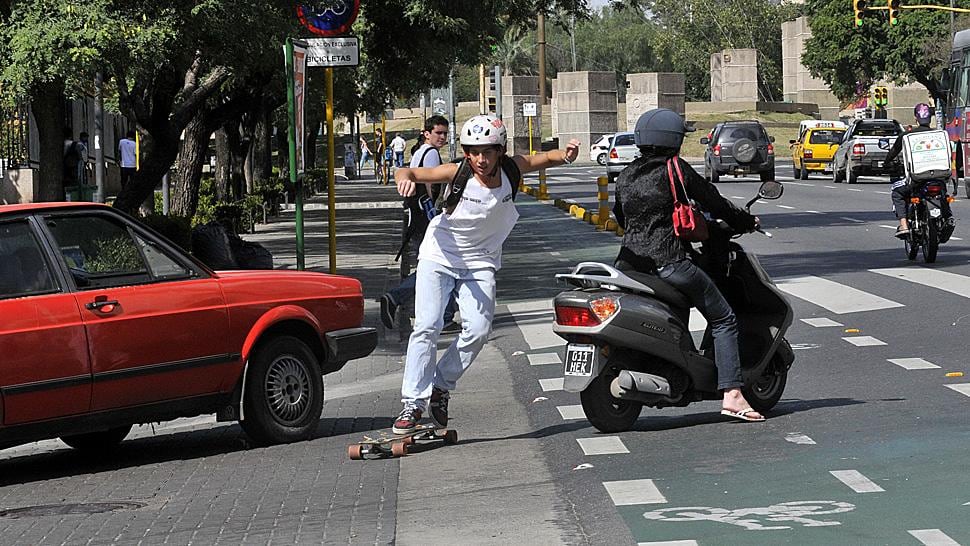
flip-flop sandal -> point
(742, 415)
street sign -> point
(328, 18)
(529, 109)
(332, 52)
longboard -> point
(396, 445)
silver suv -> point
(622, 153)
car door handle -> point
(102, 306)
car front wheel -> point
(284, 392)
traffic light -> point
(859, 6)
(893, 12)
(491, 105)
(880, 96)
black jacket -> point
(644, 209)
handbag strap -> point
(673, 164)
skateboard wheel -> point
(399, 449)
(355, 451)
(451, 437)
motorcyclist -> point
(644, 208)
(901, 189)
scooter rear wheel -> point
(606, 413)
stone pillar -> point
(554, 107)
(517, 90)
(734, 75)
(586, 103)
(902, 99)
(650, 90)
(799, 85)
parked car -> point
(812, 151)
(864, 148)
(599, 150)
(105, 324)
(622, 153)
(739, 148)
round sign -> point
(328, 17)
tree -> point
(851, 59)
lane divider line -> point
(962, 388)
(856, 481)
(606, 445)
(933, 537)
(551, 384)
(913, 363)
(821, 322)
(542, 359)
(571, 412)
(864, 341)
(632, 492)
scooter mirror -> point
(771, 190)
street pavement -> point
(866, 447)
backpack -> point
(926, 155)
(416, 219)
(449, 198)
(71, 158)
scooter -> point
(629, 344)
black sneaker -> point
(438, 408)
(451, 328)
(408, 420)
(388, 310)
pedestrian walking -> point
(365, 154)
(460, 253)
(397, 146)
(416, 220)
(127, 154)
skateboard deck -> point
(396, 445)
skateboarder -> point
(460, 253)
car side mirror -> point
(771, 139)
(771, 190)
(705, 140)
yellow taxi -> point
(815, 146)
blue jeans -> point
(476, 301)
(398, 159)
(404, 293)
(704, 295)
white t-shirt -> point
(432, 157)
(127, 149)
(471, 237)
(398, 144)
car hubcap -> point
(288, 389)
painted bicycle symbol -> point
(757, 519)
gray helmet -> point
(660, 127)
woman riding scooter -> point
(644, 208)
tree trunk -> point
(47, 105)
(263, 147)
(237, 150)
(223, 164)
(310, 147)
(188, 174)
(157, 156)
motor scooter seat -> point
(663, 290)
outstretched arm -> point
(407, 177)
(552, 158)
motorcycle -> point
(928, 229)
(629, 344)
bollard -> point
(543, 194)
(603, 194)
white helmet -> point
(484, 130)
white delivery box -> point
(926, 155)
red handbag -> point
(689, 223)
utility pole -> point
(99, 136)
(572, 39)
(451, 113)
(541, 42)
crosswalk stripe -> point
(836, 297)
(856, 481)
(934, 278)
(864, 341)
(913, 363)
(933, 537)
(821, 322)
(962, 388)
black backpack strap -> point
(451, 194)
(513, 173)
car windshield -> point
(737, 132)
(623, 140)
(876, 129)
(825, 137)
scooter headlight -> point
(605, 307)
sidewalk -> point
(494, 487)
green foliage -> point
(114, 254)
(851, 59)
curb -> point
(574, 209)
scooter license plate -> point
(579, 359)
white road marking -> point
(555, 253)
(864, 341)
(883, 192)
(799, 438)
(630, 492)
(934, 278)
(913, 363)
(853, 189)
(933, 537)
(955, 239)
(535, 323)
(571, 412)
(814, 212)
(799, 183)
(836, 297)
(737, 197)
(856, 481)
(606, 445)
(821, 322)
(669, 543)
(962, 388)
(829, 187)
(542, 359)
(785, 207)
(551, 384)
(856, 220)
(887, 227)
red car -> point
(105, 324)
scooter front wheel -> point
(767, 390)
(604, 411)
